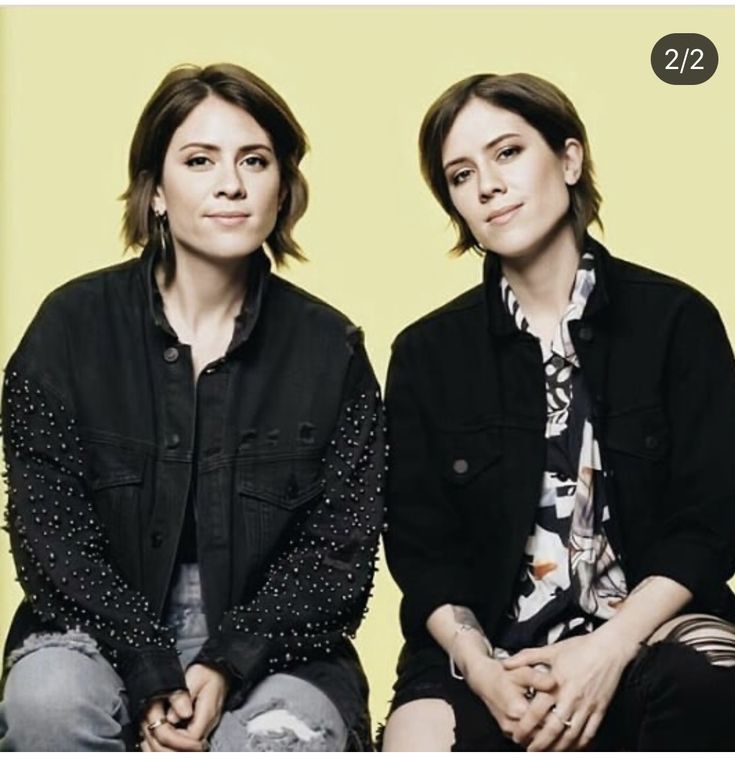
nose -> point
(230, 182)
(490, 182)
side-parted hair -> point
(544, 106)
(181, 90)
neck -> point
(542, 281)
(204, 292)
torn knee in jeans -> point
(279, 729)
(74, 640)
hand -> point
(171, 710)
(504, 691)
(208, 688)
(587, 670)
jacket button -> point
(156, 540)
(460, 466)
(651, 441)
(173, 441)
(171, 354)
(586, 334)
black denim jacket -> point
(99, 416)
(467, 413)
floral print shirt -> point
(570, 580)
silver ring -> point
(567, 723)
(157, 724)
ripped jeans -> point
(63, 695)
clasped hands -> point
(552, 697)
(182, 721)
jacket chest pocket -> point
(273, 495)
(469, 463)
(636, 461)
(115, 478)
(641, 434)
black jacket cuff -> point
(149, 674)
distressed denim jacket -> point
(100, 418)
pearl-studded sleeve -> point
(60, 547)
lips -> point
(503, 214)
(228, 218)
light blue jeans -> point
(62, 695)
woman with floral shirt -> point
(561, 488)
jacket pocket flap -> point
(465, 454)
(642, 433)
(288, 493)
(111, 465)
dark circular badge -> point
(684, 58)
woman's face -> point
(220, 184)
(504, 180)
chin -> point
(230, 251)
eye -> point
(255, 161)
(459, 177)
(508, 152)
(196, 162)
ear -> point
(572, 157)
(282, 196)
(158, 202)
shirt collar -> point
(561, 343)
(258, 274)
(500, 322)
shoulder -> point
(636, 284)
(307, 311)
(468, 308)
(74, 297)
(71, 311)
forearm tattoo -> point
(466, 619)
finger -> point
(180, 707)
(516, 707)
(543, 680)
(548, 735)
(144, 746)
(177, 739)
(570, 734)
(150, 740)
(526, 657)
(533, 679)
(204, 716)
(533, 720)
(590, 730)
(154, 712)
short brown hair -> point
(544, 106)
(181, 90)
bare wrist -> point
(468, 648)
(619, 640)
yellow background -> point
(360, 79)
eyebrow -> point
(489, 146)
(216, 148)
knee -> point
(50, 690)
(677, 672)
(283, 714)
(282, 729)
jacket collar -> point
(259, 269)
(500, 322)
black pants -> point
(669, 698)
